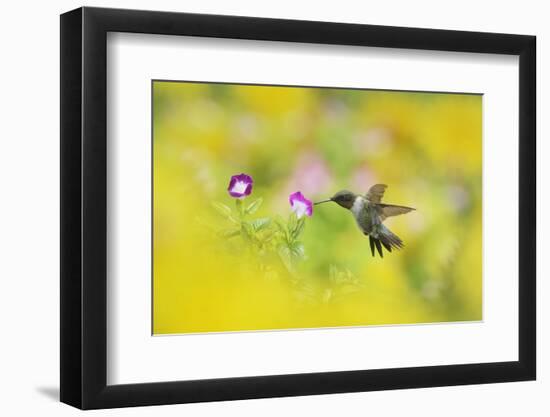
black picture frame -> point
(84, 207)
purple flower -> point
(300, 205)
(240, 186)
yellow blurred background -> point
(427, 147)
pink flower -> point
(300, 205)
(240, 186)
(311, 174)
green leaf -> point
(247, 227)
(297, 250)
(279, 223)
(222, 209)
(292, 220)
(268, 236)
(332, 272)
(298, 228)
(349, 289)
(229, 233)
(284, 255)
(254, 206)
(327, 295)
(260, 224)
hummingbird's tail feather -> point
(377, 243)
(390, 239)
(385, 238)
(386, 245)
(371, 241)
(379, 247)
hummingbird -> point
(369, 213)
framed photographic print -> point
(257, 207)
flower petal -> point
(240, 186)
(300, 205)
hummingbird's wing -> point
(376, 192)
(389, 210)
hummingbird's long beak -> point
(324, 201)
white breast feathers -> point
(358, 205)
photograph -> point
(303, 207)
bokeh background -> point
(427, 147)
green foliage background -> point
(426, 146)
